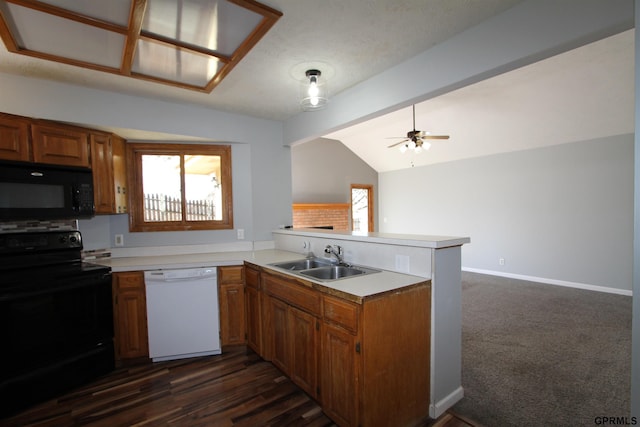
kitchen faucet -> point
(335, 250)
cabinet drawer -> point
(342, 313)
(252, 277)
(126, 281)
(294, 294)
(232, 274)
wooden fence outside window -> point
(160, 207)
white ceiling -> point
(589, 90)
(583, 94)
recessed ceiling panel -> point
(192, 44)
(113, 11)
(176, 65)
(52, 35)
(216, 25)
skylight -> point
(192, 44)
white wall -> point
(323, 171)
(562, 213)
(261, 164)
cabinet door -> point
(119, 174)
(339, 375)
(102, 166)
(130, 315)
(60, 145)
(254, 319)
(14, 138)
(279, 334)
(303, 334)
(232, 306)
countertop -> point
(415, 240)
(360, 287)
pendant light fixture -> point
(314, 91)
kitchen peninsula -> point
(429, 266)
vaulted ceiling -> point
(351, 41)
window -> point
(179, 187)
(361, 207)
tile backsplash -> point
(34, 225)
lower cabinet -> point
(365, 360)
(294, 330)
(253, 309)
(130, 315)
(279, 334)
(231, 295)
(339, 392)
(304, 334)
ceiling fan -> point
(415, 139)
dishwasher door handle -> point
(179, 275)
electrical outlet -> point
(119, 240)
(501, 261)
(240, 233)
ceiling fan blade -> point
(397, 143)
(395, 137)
(435, 137)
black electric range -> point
(56, 318)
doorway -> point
(362, 207)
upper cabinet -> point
(14, 138)
(119, 165)
(102, 166)
(41, 141)
(60, 144)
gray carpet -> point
(543, 355)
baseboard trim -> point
(440, 407)
(551, 281)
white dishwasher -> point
(182, 313)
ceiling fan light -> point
(418, 149)
(403, 148)
(411, 144)
(426, 145)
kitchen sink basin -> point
(303, 264)
(323, 269)
(333, 272)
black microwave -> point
(36, 191)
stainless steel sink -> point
(333, 272)
(303, 264)
(323, 269)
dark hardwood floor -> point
(237, 388)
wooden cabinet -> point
(130, 315)
(340, 348)
(41, 141)
(232, 305)
(304, 334)
(102, 167)
(119, 174)
(14, 138)
(253, 309)
(59, 144)
(109, 172)
(278, 334)
(339, 392)
(293, 312)
(366, 360)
